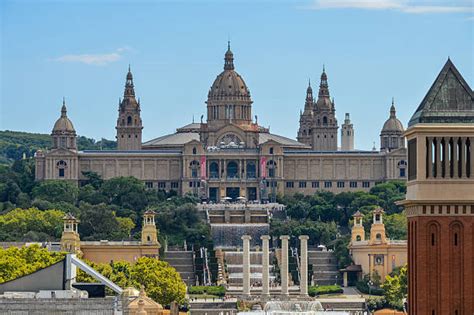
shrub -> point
(324, 289)
(211, 290)
(363, 287)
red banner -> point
(203, 167)
(263, 166)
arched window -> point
(271, 151)
(194, 165)
(214, 170)
(271, 165)
(378, 236)
(194, 150)
(148, 238)
(129, 120)
(61, 166)
(232, 170)
(325, 120)
(358, 238)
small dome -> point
(392, 124)
(63, 124)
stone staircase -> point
(183, 262)
(234, 261)
(325, 268)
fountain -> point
(293, 308)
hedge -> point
(211, 290)
(324, 289)
(363, 287)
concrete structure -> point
(231, 154)
(378, 254)
(440, 198)
(266, 266)
(246, 266)
(304, 265)
(104, 251)
(284, 266)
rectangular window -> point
(327, 184)
(412, 159)
(290, 184)
(161, 185)
(302, 184)
(402, 172)
(61, 172)
(174, 185)
(315, 184)
(366, 184)
(149, 185)
(340, 184)
(353, 184)
(190, 184)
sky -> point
(372, 50)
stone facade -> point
(230, 154)
(440, 199)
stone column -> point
(246, 266)
(455, 157)
(284, 265)
(304, 265)
(265, 266)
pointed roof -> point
(63, 124)
(449, 100)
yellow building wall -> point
(107, 253)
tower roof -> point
(129, 92)
(392, 124)
(358, 214)
(324, 100)
(63, 124)
(449, 100)
(229, 84)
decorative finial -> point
(129, 68)
(63, 108)
(324, 68)
(309, 82)
(64, 101)
(228, 45)
(193, 118)
(393, 101)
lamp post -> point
(369, 284)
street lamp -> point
(370, 283)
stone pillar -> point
(246, 266)
(304, 265)
(265, 266)
(345, 280)
(438, 157)
(455, 157)
(284, 265)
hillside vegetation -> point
(16, 144)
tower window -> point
(455, 239)
(271, 150)
(432, 239)
(325, 120)
(378, 236)
(129, 120)
(358, 238)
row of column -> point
(283, 266)
(449, 157)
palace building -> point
(230, 154)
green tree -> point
(56, 191)
(16, 224)
(17, 262)
(127, 192)
(396, 287)
(99, 222)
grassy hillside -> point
(15, 144)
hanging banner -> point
(263, 167)
(203, 167)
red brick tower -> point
(440, 199)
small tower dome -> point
(64, 134)
(391, 134)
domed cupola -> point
(391, 135)
(229, 98)
(64, 134)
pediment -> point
(61, 152)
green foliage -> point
(324, 289)
(341, 251)
(56, 191)
(31, 225)
(17, 262)
(396, 287)
(208, 290)
(376, 303)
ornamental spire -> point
(63, 108)
(129, 90)
(323, 86)
(393, 112)
(229, 58)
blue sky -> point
(372, 50)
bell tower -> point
(149, 233)
(70, 240)
(129, 123)
(306, 118)
(440, 198)
(347, 135)
(377, 230)
(358, 232)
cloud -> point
(396, 5)
(95, 59)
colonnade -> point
(283, 266)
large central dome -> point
(229, 85)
